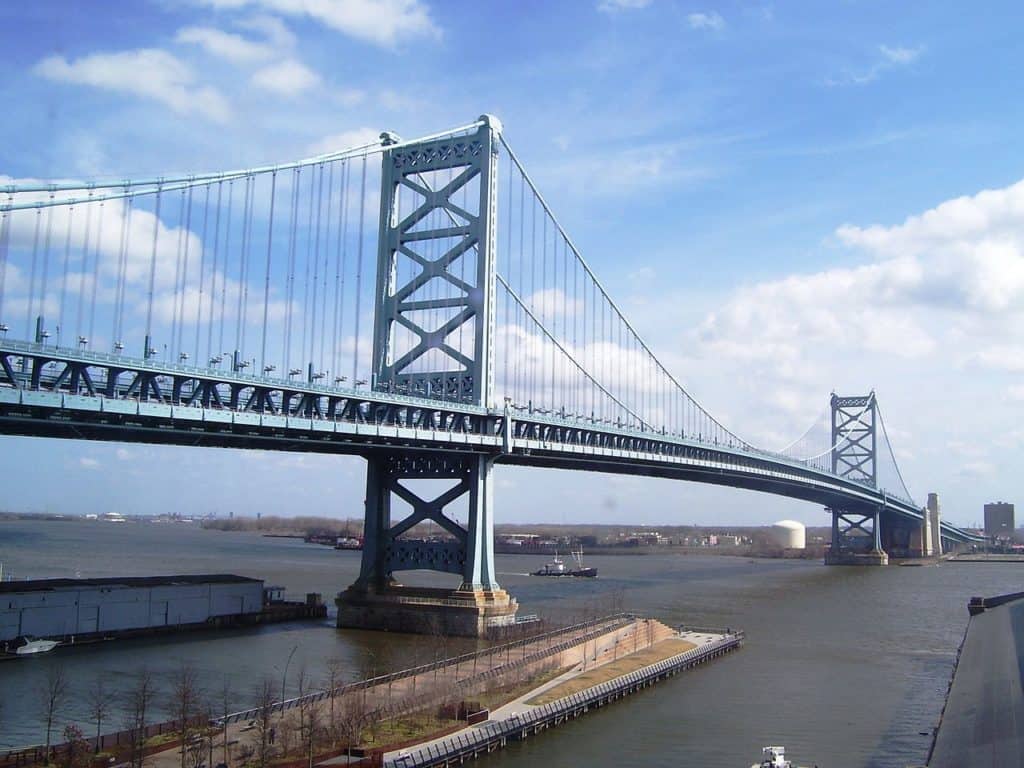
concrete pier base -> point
(856, 558)
(426, 611)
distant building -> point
(728, 540)
(999, 520)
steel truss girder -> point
(472, 157)
(470, 554)
(53, 371)
(855, 451)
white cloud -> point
(345, 140)
(613, 6)
(88, 463)
(1015, 392)
(272, 28)
(225, 45)
(382, 22)
(151, 73)
(888, 58)
(148, 72)
(899, 54)
(712, 21)
(287, 78)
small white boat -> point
(773, 757)
(30, 645)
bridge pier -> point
(377, 600)
(856, 539)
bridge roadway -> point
(47, 391)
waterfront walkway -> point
(533, 711)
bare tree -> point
(311, 733)
(335, 678)
(138, 702)
(265, 694)
(52, 699)
(184, 702)
(99, 700)
(224, 701)
(302, 682)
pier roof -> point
(41, 585)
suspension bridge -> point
(413, 302)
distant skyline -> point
(786, 198)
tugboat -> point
(557, 567)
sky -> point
(787, 199)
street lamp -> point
(284, 675)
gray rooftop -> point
(41, 585)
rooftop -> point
(42, 585)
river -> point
(846, 667)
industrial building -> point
(85, 608)
(999, 520)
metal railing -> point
(595, 626)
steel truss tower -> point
(855, 456)
(433, 338)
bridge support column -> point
(377, 600)
(853, 543)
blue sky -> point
(787, 198)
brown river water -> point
(846, 667)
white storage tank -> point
(789, 534)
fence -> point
(596, 627)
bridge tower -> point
(856, 533)
(435, 283)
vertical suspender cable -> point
(32, 277)
(5, 240)
(43, 287)
(224, 270)
(179, 344)
(327, 252)
(202, 271)
(95, 274)
(343, 242)
(82, 272)
(289, 311)
(122, 271)
(152, 274)
(213, 273)
(309, 248)
(359, 268)
(266, 276)
(316, 265)
(177, 277)
(243, 267)
(64, 276)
